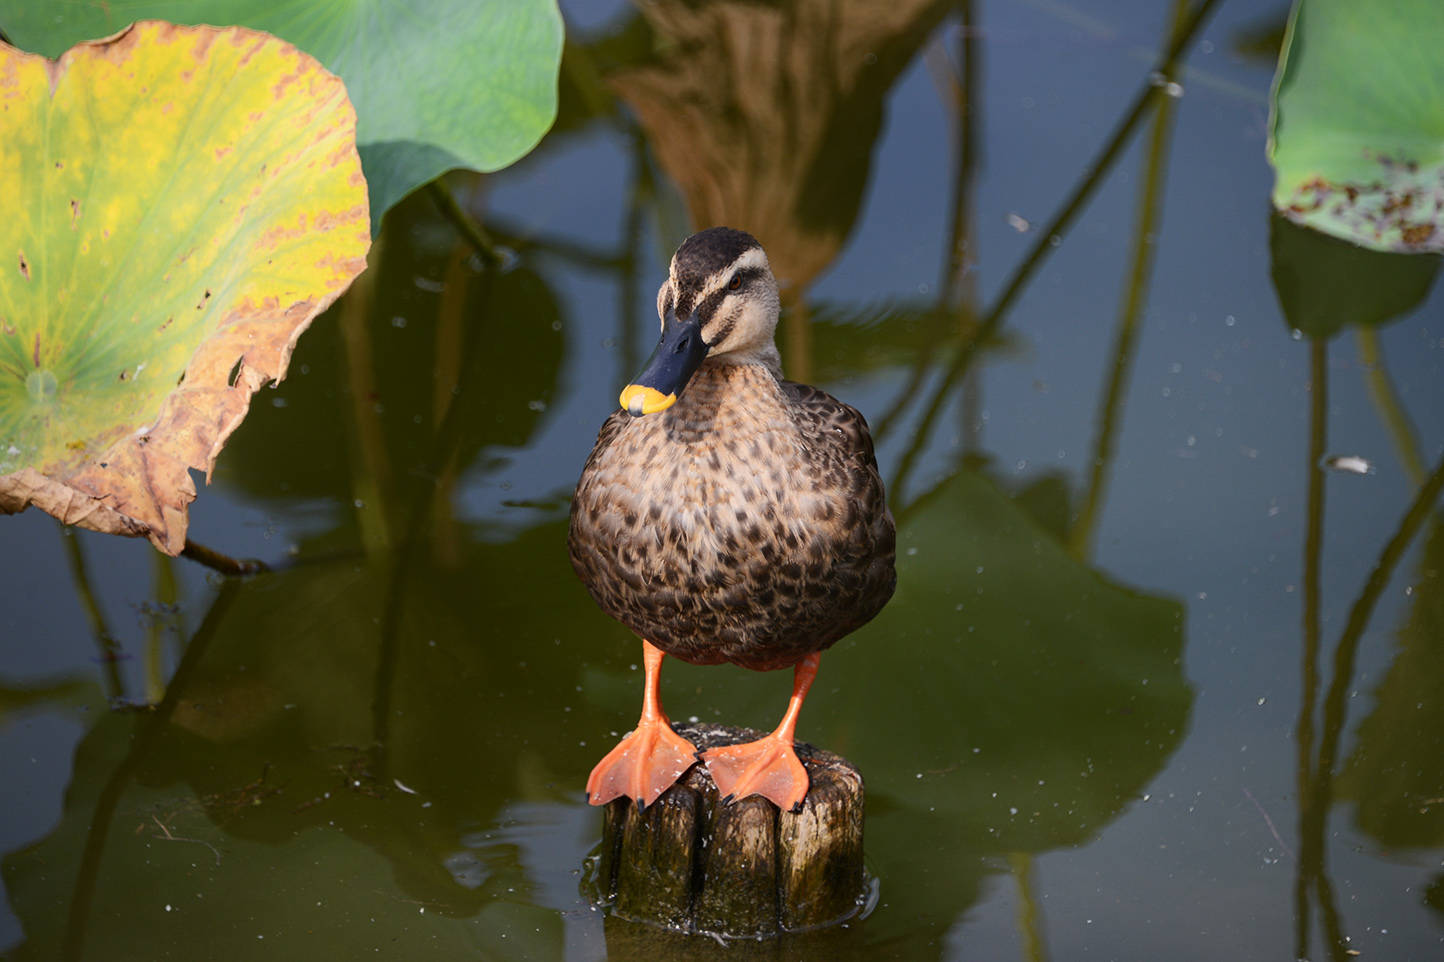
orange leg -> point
(646, 762)
(769, 766)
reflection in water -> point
(1154, 91)
(955, 310)
(105, 643)
(1395, 774)
(151, 729)
(1316, 776)
(710, 136)
(1130, 314)
(1390, 406)
(1324, 285)
(1042, 697)
(765, 115)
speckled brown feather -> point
(746, 523)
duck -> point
(727, 515)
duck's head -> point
(719, 299)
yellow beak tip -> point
(639, 400)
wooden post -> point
(740, 870)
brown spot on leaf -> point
(279, 89)
(122, 375)
(74, 213)
(7, 327)
(1418, 233)
(24, 267)
(250, 52)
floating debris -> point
(1350, 463)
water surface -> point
(1085, 730)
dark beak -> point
(670, 367)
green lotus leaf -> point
(1357, 138)
(437, 84)
(180, 203)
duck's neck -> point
(764, 356)
(723, 394)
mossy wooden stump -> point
(742, 869)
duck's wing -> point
(861, 537)
(586, 528)
(835, 431)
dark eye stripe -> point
(710, 303)
(748, 274)
(707, 307)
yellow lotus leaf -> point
(179, 204)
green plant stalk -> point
(1130, 316)
(1316, 795)
(448, 351)
(416, 521)
(150, 729)
(99, 630)
(464, 223)
(583, 255)
(223, 563)
(799, 335)
(1336, 701)
(1309, 857)
(1061, 223)
(957, 286)
(962, 289)
(1313, 557)
(165, 595)
(631, 308)
(1030, 917)
(373, 480)
(1386, 401)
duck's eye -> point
(735, 284)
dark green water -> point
(1106, 732)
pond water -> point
(1133, 698)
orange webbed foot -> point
(768, 767)
(643, 765)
